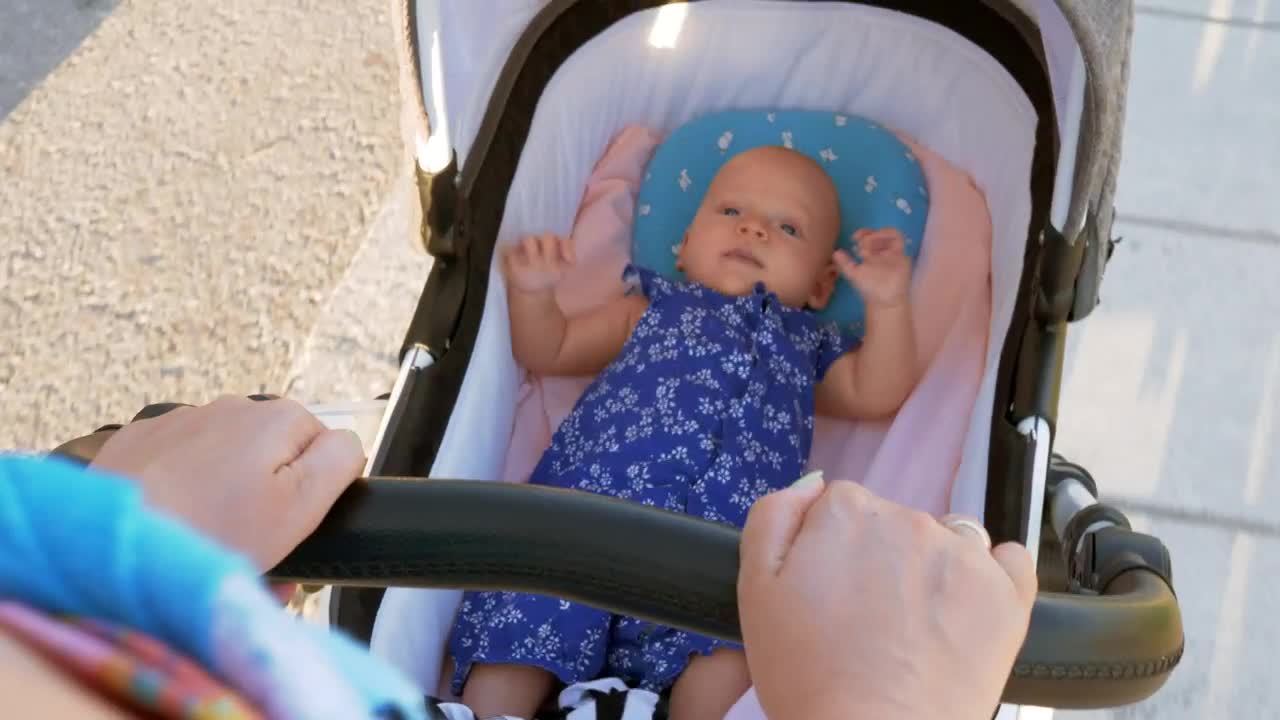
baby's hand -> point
(884, 275)
(537, 263)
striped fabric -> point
(604, 699)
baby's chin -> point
(735, 283)
(727, 281)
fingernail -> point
(809, 480)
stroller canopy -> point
(455, 54)
(1098, 33)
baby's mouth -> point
(744, 256)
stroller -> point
(1026, 96)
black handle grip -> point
(1081, 652)
(1095, 651)
(629, 558)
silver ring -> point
(967, 526)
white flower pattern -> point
(708, 408)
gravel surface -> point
(180, 199)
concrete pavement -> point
(1172, 390)
(181, 196)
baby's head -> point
(771, 215)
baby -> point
(704, 403)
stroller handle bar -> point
(1108, 645)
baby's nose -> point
(751, 230)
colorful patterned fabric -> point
(126, 665)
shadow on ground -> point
(37, 35)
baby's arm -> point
(543, 340)
(874, 381)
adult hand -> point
(256, 476)
(853, 606)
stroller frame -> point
(1093, 656)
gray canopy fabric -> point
(1104, 31)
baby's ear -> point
(824, 286)
(679, 251)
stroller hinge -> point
(438, 195)
(1060, 264)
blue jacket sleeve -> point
(80, 542)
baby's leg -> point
(506, 690)
(507, 649)
(710, 685)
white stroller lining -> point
(903, 71)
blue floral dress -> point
(708, 408)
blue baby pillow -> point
(879, 181)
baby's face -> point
(770, 216)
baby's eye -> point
(789, 229)
(730, 212)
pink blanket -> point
(912, 459)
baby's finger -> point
(533, 249)
(844, 263)
(567, 253)
(513, 269)
(527, 261)
(548, 247)
(877, 244)
(897, 244)
(892, 236)
(518, 254)
(530, 247)
(534, 254)
(514, 251)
